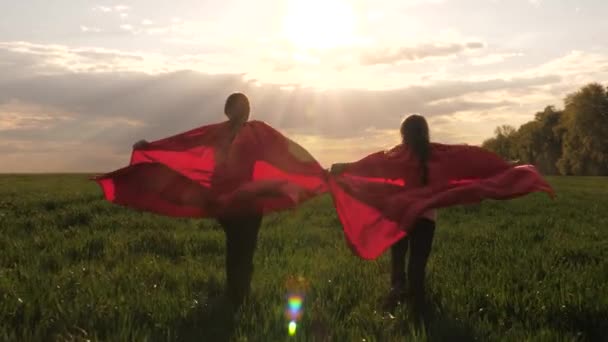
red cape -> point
(378, 195)
(201, 173)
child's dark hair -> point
(415, 134)
(233, 99)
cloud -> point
(392, 56)
(114, 109)
(121, 8)
(494, 58)
(181, 29)
(15, 116)
(104, 9)
(101, 101)
(109, 9)
(576, 68)
(577, 62)
(21, 59)
(87, 29)
(128, 28)
(413, 3)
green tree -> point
(549, 140)
(526, 143)
(502, 142)
(585, 132)
(537, 142)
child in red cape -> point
(388, 199)
(238, 170)
(234, 171)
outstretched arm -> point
(382, 164)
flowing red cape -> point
(204, 173)
(379, 197)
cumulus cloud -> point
(577, 63)
(412, 3)
(121, 8)
(127, 27)
(391, 56)
(109, 9)
(494, 58)
(15, 116)
(104, 9)
(87, 29)
(103, 100)
(21, 59)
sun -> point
(319, 24)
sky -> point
(81, 81)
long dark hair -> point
(415, 134)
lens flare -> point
(296, 289)
(295, 302)
(292, 328)
(294, 307)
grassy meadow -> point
(74, 267)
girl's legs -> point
(421, 241)
(241, 240)
(398, 279)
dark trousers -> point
(241, 240)
(420, 241)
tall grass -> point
(73, 267)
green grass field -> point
(73, 267)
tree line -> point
(568, 141)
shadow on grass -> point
(211, 320)
(444, 327)
(586, 324)
(438, 324)
(214, 322)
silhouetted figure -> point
(411, 288)
(414, 134)
(241, 229)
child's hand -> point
(140, 144)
